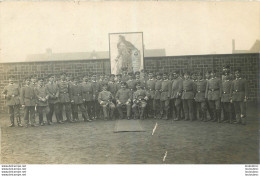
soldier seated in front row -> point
(139, 102)
(124, 98)
(105, 100)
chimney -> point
(233, 46)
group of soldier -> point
(139, 95)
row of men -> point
(177, 97)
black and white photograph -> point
(110, 82)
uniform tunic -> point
(200, 90)
(63, 92)
(41, 93)
(165, 90)
(239, 89)
(87, 91)
(226, 91)
(213, 89)
(12, 92)
(188, 89)
(150, 87)
(28, 96)
(157, 87)
(76, 94)
(123, 95)
(176, 87)
(112, 87)
(53, 92)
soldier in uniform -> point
(201, 85)
(125, 76)
(118, 81)
(165, 96)
(112, 86)
(124, 98)
(213, 94)
(194, 79)
(140, 98)
(76, 96)
(131, 83)
(11, 94)
(239, 97)
(53, 93)
(226, 98)
(207, 78)
(95, 104)
(188, 94)
(41, 100)
(64, 98)
(105, 99)
(157, 95)
(176, 96)
(88, 95)
(28, 103)
(150, 89)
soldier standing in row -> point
(176, 96)
(150, 88)
(88, 95)
(165, 96)
(64, 98)
(239, 97)
(226, 98)
(213, 95)
(188, 94)
(28, 103)
(76, 96)
(11, 95)
(157, 95)
(41, 100)
(53, 93)
(200, 100)
(95, 104)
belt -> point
(212, 90)
(29, 98)
(64, 92)
(237, 91)
(200, 91)
(226, 92)
(78, 94)
(164, 90)
(187, 90)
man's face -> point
(68, 78)
(40, 82)
(137, 77)
(101, 77)
(138, 87)
(27, 82)
(224, 77)
(119, 78)
(165, 76)
(150, 76)
(199, 77)
(11, 81)
(112, 78)
(51, 79)
(175, 76)
(237, 74)
(186, 76)
(194, 76)
(158, 77)
(213, 74)
(62, 77)
(207, 75)
(33, 80)
(85, 79)
(123, 86)
(93, 78)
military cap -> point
(123, 83)
(137, 73)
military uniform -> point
(95, 105)
(113, 87)
(239, 94)
(64, 99)
(188, 94)
(88, 97)
(131, 83)
(105, 100)
(176, 98)
(53, 93)
(213, 95)
(42, 102)
(12, 93)
(225, 100)
(200, 99)
(29, 101)
(165, 97)
(157, 96)
(139, 101)
(150, 89)
(123, 98)
(76, 96)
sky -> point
(181, 28)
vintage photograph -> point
(129, 82)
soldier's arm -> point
(220, 88)
(246, 90)
(58, 92)
(100, 97)
(231, 90)
(22, 96)
(169, 89)
(207, 88)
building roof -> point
(49, 56)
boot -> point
(218, 113)
(19, 121)
(243, 120)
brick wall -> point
(248, 62)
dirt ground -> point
(95, 142)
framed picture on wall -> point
(126, 52)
